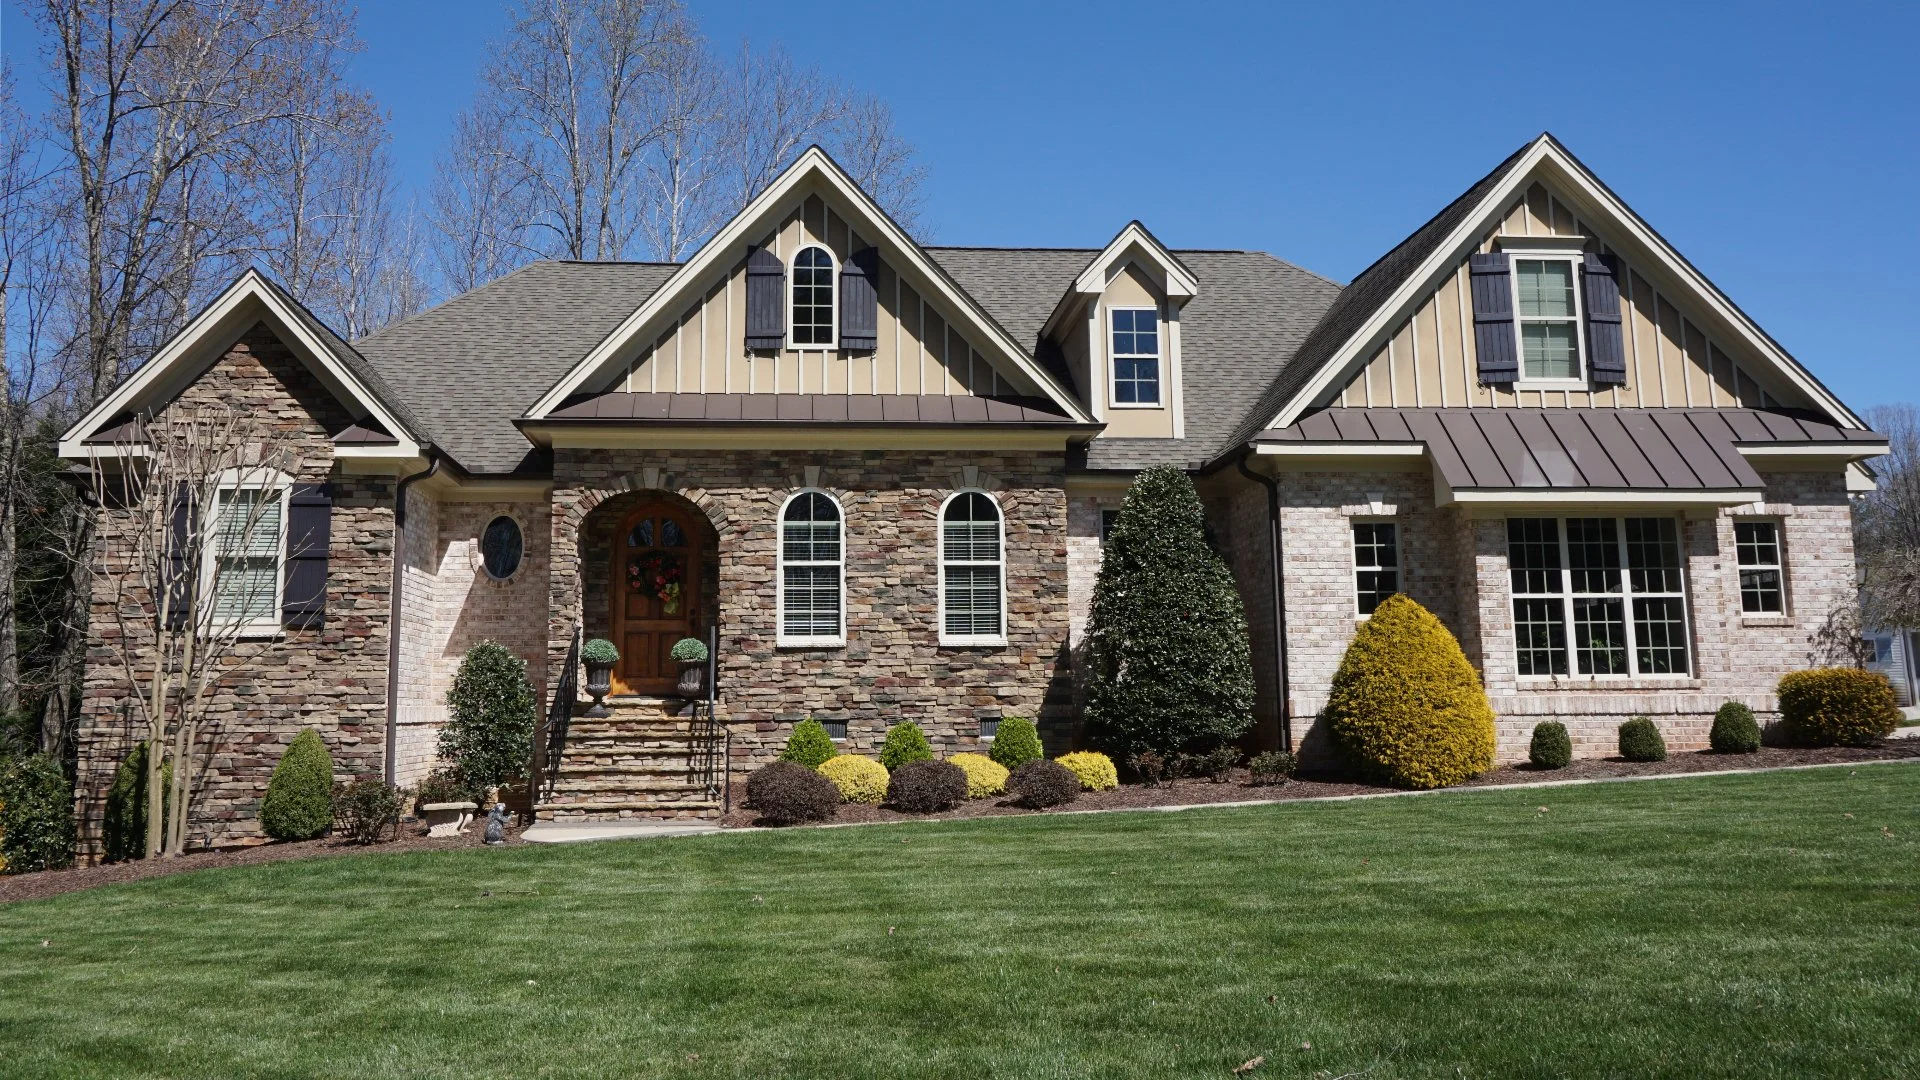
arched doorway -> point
(659, 555)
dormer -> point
(1118, 327)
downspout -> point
(395, 591)
(1279, 593)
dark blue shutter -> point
(1493, 334)
(303, 602)
(1606, 352)
(860, 301)
(766, 278)
(176, 567)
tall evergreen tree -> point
(1169, 666)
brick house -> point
(878, 473)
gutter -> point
(1279, 593)
(393, 610)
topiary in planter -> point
(785, 793)
(599, 651)
(489, 730)
(1040, 784)
(985, 776)
(1640, 740)
(123, 827)
(1837, 707)
(1406, 708)
(299, 802)
(1168, 666)
(688, 650)
(927, 787)
(809, 745)
(1734, 730)
(1095, 770)
(1551, 748)
(858, 779)
(1271, 767)
(905, 742)
(1015, 743)
(36, 815)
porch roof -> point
(840, 410)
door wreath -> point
(658, 573)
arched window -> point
(811, 572)
(813, 307)
(972, 571)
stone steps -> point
(636, 763)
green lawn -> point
(1733, 926)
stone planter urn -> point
(447, 818)
(693, 679)
(599, 656)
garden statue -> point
(497, 824)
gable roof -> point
(814, 167)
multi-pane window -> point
(813, 297)
(971, 602)
(1376, 563)
(246, 540)
(1548, 314)
(1136, 356)
(1756, 546)
(810, 571)
(1597, 596)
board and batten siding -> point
(918, 347)
(1671, 362)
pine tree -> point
(1168, 663)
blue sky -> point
(1774, 145)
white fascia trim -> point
(1856, 451)
(248, 286)
(1181, 285)
(1292, 449)
(725, 243)
(1526, 497)
(1389, 314)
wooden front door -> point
(657, 557)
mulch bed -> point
(413, 835)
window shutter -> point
(860, 301)
(1493, 335)
(766, 278)
(179, 589)
(303, 604)
(1606, 352)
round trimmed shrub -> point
(927, 787)
(299, 802)
(36, 815)
(489, 730)
(599, 651)
(905, 743)
(786, 793)
(123, 828)
(809, 745)
(687, 650)
(1551, 748)
(1040, 784)
(1837, 707)
(1015, 742)
(1640, 740)
(985, 776)
(1734, 730)
(1095, 770)
(858, 779)
(1406, 708)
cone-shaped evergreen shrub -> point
(905, 742)
(1837, 707)
(1551, 748)
(299, 802)
(1734, 730)
(1640, 741)
(809, 745)
(1015, 742)
(1168, 666)
(124, 826)
(489, 731)
(1406, 708)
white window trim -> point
(1778, 567)
(1626, 596)
(1159, 358)
(782, 639)
(244, 479)
(1575, 260)
(1353, 558)
(833, 302)
(940, 525)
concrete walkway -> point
(559, 832)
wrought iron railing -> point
(560, 717)
(710, 737)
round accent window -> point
(500, 547)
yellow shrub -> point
(1096, 771)
(859, 779)
(985, 776)
(1837, 707)
(1406, 707)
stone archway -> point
(648, 576)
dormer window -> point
(1136, 357)
(813, 302)
(1547, 307)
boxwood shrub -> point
(786, 793)
(1016, 742)
(927, 787)
(1734, 730)
(1406, 707)
(1640, 740)
(1551, 748)
(299, 802)
(858, 779)
(905, 743)
(809, 745)
(1040, 784)
(1837, 707)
